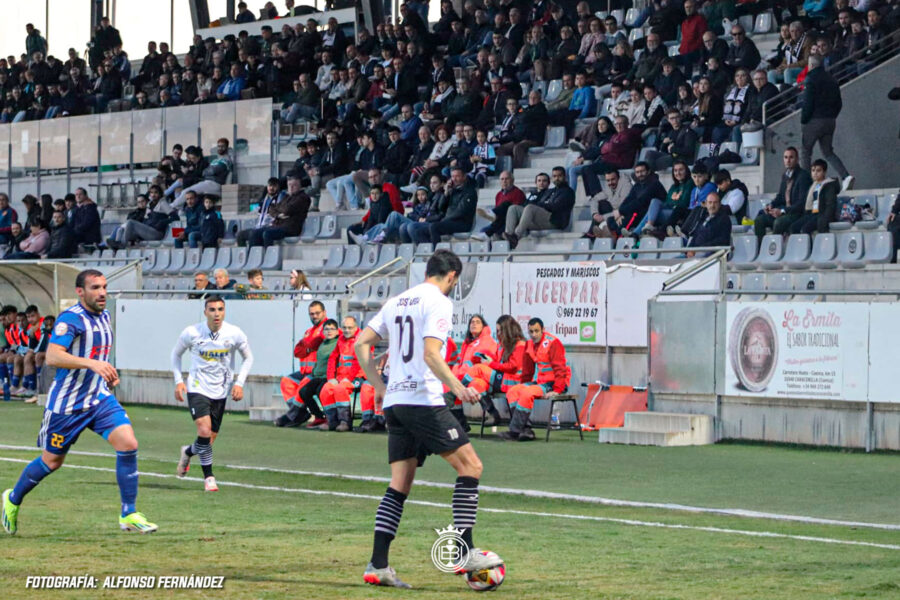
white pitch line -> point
(633, 522)
(731, 512)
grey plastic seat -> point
(332, 263)
(442, 246)
(310, 229)
(352, 256)
(823, 251)
(779, 282)
(744, 252)
(360, 294)
(406, 252)
(396, 287)
(806, 281)
(329, 228)
(796, 253)
(254, 258)
(163, 256)
(461, 248)
(377, 295)
(423, 251)
(851, 249)
(601, 245)
(369, 258)
(879, 247)
(207, 260)
(387, 253)
(672, 243)
(841, 225)
(191, 260)
(753, 281)
(106, 255)
(271, 259)
(732, 281)
(149, 256)
(183, 283)
(176, 260)
(151, 283)
(580, 249)
(771, 251)
(648, 242)
(499, 250)
(239, 258)
(483, 249)
(223, 258)
(885, 203)
(623, 243)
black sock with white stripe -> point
(203, 448)
(387, 520)
(465, 507)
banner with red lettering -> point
(797, 350)
(570, 298)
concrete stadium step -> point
(266, 413)
(661, 429)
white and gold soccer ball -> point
(487, 580)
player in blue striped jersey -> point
(79, 399)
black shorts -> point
(201, 406)
(417, 431)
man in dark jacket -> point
(818, 117)
(715, 230)
(62, 238)
(788, 204)
(649, 65)
(645, 189)
(288, 215)
(713, 46)
(765, 91)
(529, 129)
(396, 157)
(86, 220)
(742, 53)
(379, 210)
(552, 210)
(820, 208)
(677, 141)
(462, 199)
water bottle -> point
(554, 418)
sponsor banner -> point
(570, 298)
(479, 292)
(797, 350)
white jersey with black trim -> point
(212, 359)
(406, 320)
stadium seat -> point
(770, 252)
(885, 203)
(744, 252)
(163, 256)
(580, 249)
(332, 263)
(671, 243)
(879, 247)
(540, 86)
(277, 283)
(481, 248)
(406, 252)
(601, 245)
(553, 90)
(271, 259)
(796, 254)
(556, 137)
(460, 248)
(329, 229)
(151, 284)
(397, 286)
(851, 249)
(149, 257)
(352, 256)
(423, 251)
(377, 295)
(254, 258)
(310, 229)
(223, 258)
(823, 251)
(634, 35)
(749, 156)
(191, 260)
(239, 258)
(872, 201)
(674, 51)
(360, 293)
(779, 282)
(106, 255)
(764, 21)
(703, 151)
(369, 258)
(442, 246)
(732, 146)
(746, 22)
(631, 17)
(619, 14)
(176, 261)
(387, 254)
(732, 281)
(753, 282)
(806, 281)
(623, 243)
(648, 242)
(499, 250)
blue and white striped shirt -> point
(83, 334)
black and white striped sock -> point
(203, 448)
(387, 520)
(465, 506)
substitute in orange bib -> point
(499, 375)
(305, 351)
(345, 375)
(478, 347)
(544, 375)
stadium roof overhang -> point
(49, 285)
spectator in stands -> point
(617, 153)
(646, 188)
(214, 174)
(742, 53)
(201, 283)
(212, 227)
(193, 215)
(735, 106)
(509, 195)
(329, 162)
(764, 91)
(714, 230)
(588, 148)
(380, 209)
(677, 142)
(667, 82)
(224, 282)
(8, 216)
(790, 201)
(69, 203)
(244, 15)
(62, 238)
(545, 374)
(529, 128)
(692, 29)
(821, 207)
(138, 214)
(34, 41)
(16, 236)
(649, 65)
(707, 110)
(552, 210)
(713, 46)
(703, 187)
(346, 187)
(86, 219)
(396, 157)
(661, 216)
(231, 88)
(634, 110)
(614, 190)
(818, 117)
(733, 195)
(796, 53)
(460, 200)
(288, 216)
(582, 106)
(273, 195)
(152, 228)
(254, 283)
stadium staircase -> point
(661, 429)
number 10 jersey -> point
(406, 320)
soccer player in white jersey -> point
(417, 323)
(213, 345)
(79, 399)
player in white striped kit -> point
(212, 345)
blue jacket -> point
(231, 87)
(698, 195)
(212, 228)
(86, 224)
(7, 218)
(192, 217)
(583, 100)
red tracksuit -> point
(344, 367)
(544, 369)
(481, 376)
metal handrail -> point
(612, 252)
(373, 272)
(229, 292)
(44, 261)
(773, 108)
(720, 257)
(743, 292)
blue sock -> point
(30, 477)
(38, 370)
(127, 477)
(29, 382)
(16, 380)
(4, 372)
